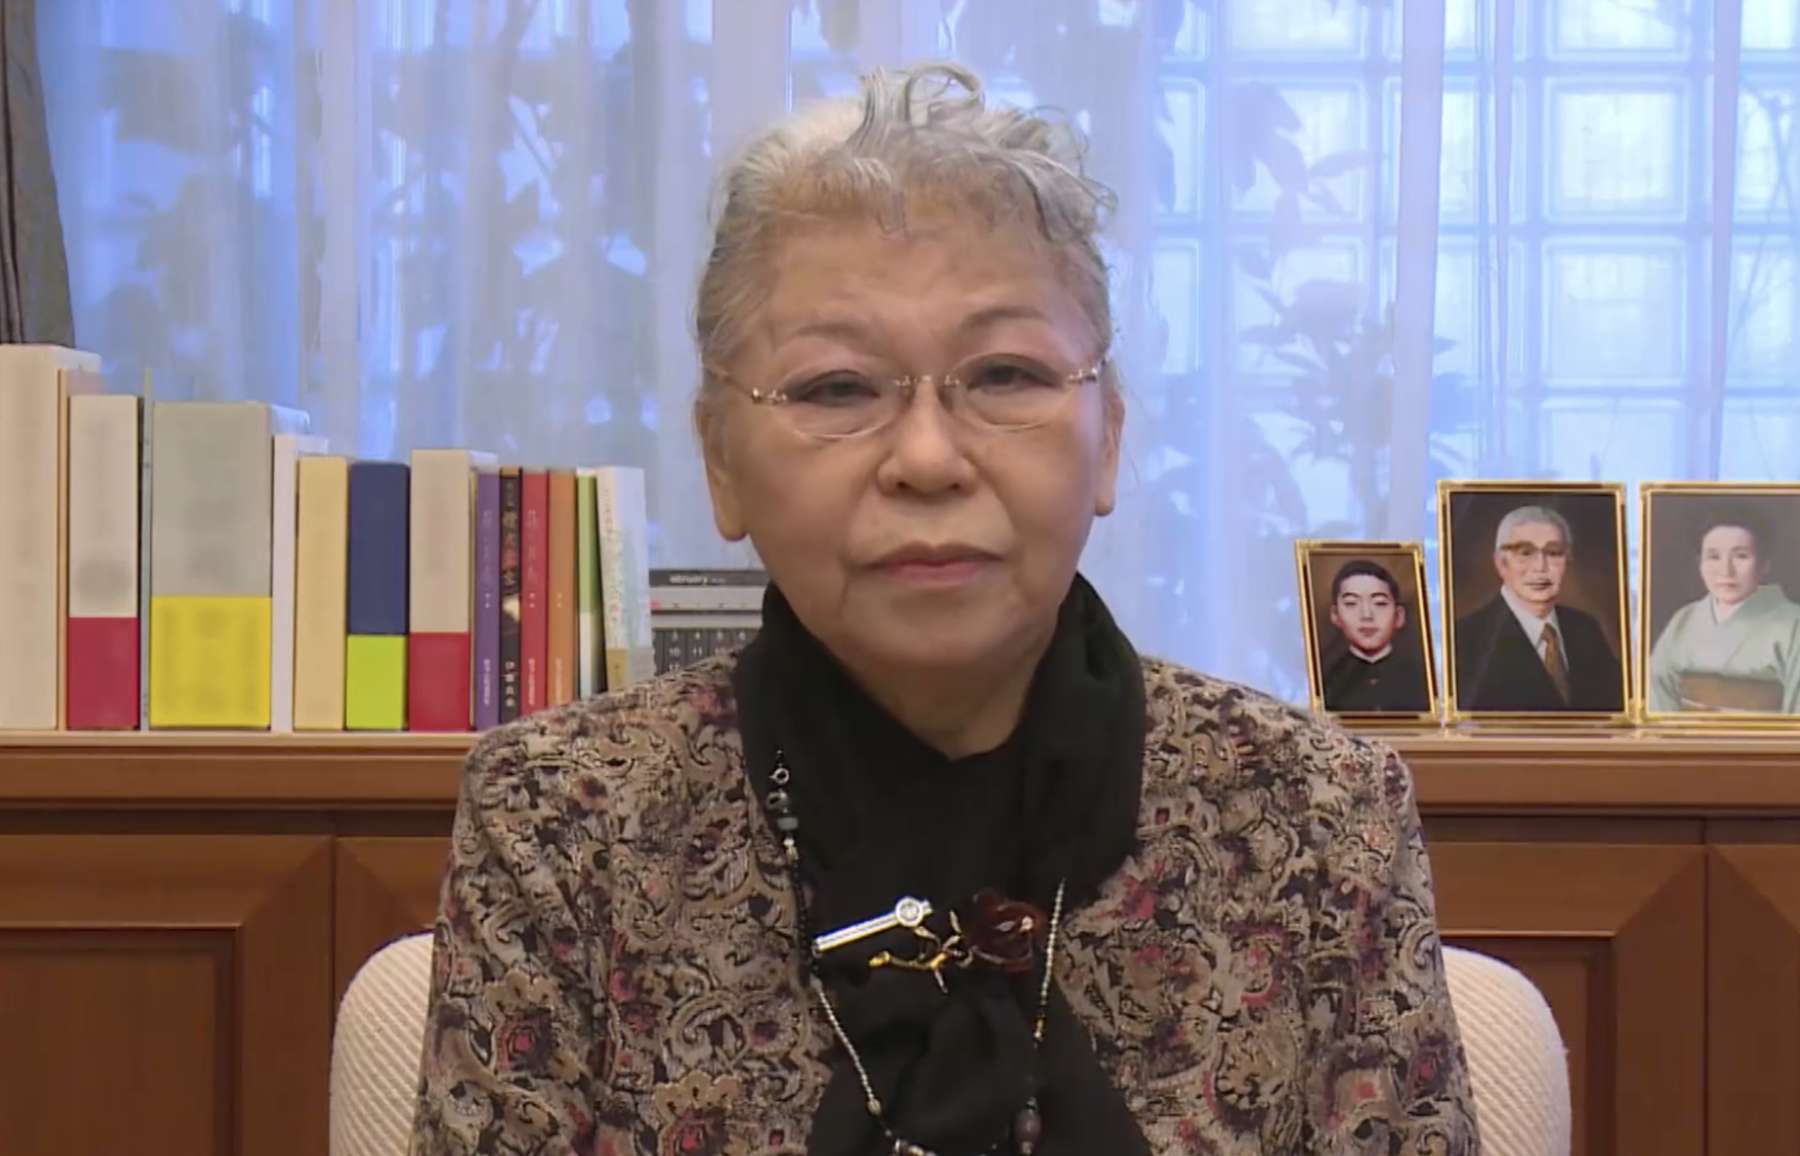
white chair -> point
(376, 1049)
(1518, 1069)
(1516, 1060)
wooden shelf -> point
(1604, 772)
(1486, 771)
(231, 771)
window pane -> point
(1321, 292)
(1295, 27)
(1613, 441)
(1761, 439)
(1614, 315)
(1460, 164)
(1616, 151)
(1331, 126)
(1322, 480)
(1176, 295)
(1188, 41)
(1763, 304)
(1184, 105)
(1458, 308)
(1771, 25)
(1592, 26)
(1765, 137)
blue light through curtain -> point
(479, 222)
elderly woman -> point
(938, 864)
(1737, 649)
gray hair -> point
(1532, 515)
(922, 133)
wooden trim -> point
(344, 773)
(1591, 772)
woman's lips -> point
(949, 572)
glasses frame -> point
(949, 385)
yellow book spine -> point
(209, 661)
(320, 571)
(375, 682)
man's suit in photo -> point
(1498, 668)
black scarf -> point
(882, 814)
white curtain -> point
(1362, 244)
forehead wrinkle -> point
(862, 272)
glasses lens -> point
(1010, 392)
(841, 404)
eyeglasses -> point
(1528, 553)
(1000, 392)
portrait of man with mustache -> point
(1524, 650)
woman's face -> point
(1729, 564)
(927, 545)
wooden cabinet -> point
(166, 992)
(1614, 937)
(179, 916)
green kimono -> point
(1749, 662)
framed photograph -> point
(1367, 630)
(1719, 635)
(1534, 600)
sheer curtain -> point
(1362, 244)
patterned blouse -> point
(616, 968)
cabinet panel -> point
(1614, 937)
(165, 994)
(386, 887)
(1754, 987)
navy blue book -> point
(378, 548)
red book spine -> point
(440, 702)
(102, 674)
(534, 591)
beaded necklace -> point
(956, 950)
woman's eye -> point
(1007, 376)
(837, 390)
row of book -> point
(212, 565)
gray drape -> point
(34, 271)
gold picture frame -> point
(1408, 558)
(1507, 672)
(1717, 503)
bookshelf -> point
(1648, 881)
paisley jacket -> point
(616, 969)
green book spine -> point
(587, 588)
(375, 682)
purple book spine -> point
(487, 600)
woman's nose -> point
(925, 453)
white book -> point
(439, 572)
(33, 458)
(624, 533)
(103, 506)
(283, 517)
(590, 658)
(211, 499)
(146, 467)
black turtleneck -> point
(883, 814)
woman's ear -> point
(711, 424)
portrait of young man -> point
(1371, 651)
(1535, 598)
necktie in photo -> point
(1553, 662)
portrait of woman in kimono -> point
(1736, 649)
